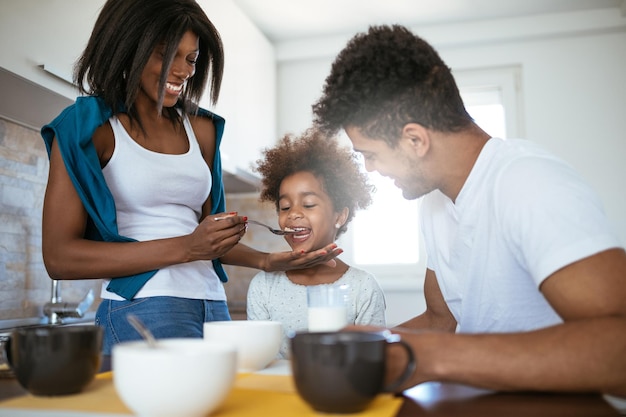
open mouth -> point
(174, 88)
(298, 232)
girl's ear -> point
(342, 217)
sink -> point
(6, 326)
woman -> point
(134, 191)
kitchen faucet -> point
(56, 310)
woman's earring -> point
(337, 225)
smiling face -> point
(183, 67)
(303, 205)
(402, 164)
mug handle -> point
(411, 363)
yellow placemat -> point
(252, 395)
(276, 383)
(98, 397)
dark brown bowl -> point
(55, 360)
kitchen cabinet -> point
(34, 34)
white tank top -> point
(160, 196)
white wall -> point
(573, 95)
(248, 98)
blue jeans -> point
(166, 317)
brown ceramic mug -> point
(342, 372)
(55, 360)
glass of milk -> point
(327, 307)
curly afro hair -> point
(336, 167)
(386, 78)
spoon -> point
(142, 329)
(278, 232)
(271, 229)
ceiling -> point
(284, 20)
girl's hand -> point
(216, 235)
(286, 261)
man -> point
(526, 283)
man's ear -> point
(417, 137)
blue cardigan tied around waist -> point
(73, 129)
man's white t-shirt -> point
(521, 215)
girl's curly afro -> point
(336, 167)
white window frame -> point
(508, 80)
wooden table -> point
(451, 400)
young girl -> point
(316, 187)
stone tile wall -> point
(24, 284)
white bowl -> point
(257, 341)
(180, 377)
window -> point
(493, 98)
(390, 218)
(485, 106)
(385, 239)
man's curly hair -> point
(386, 78)
(336, 167)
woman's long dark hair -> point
(125, 35)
